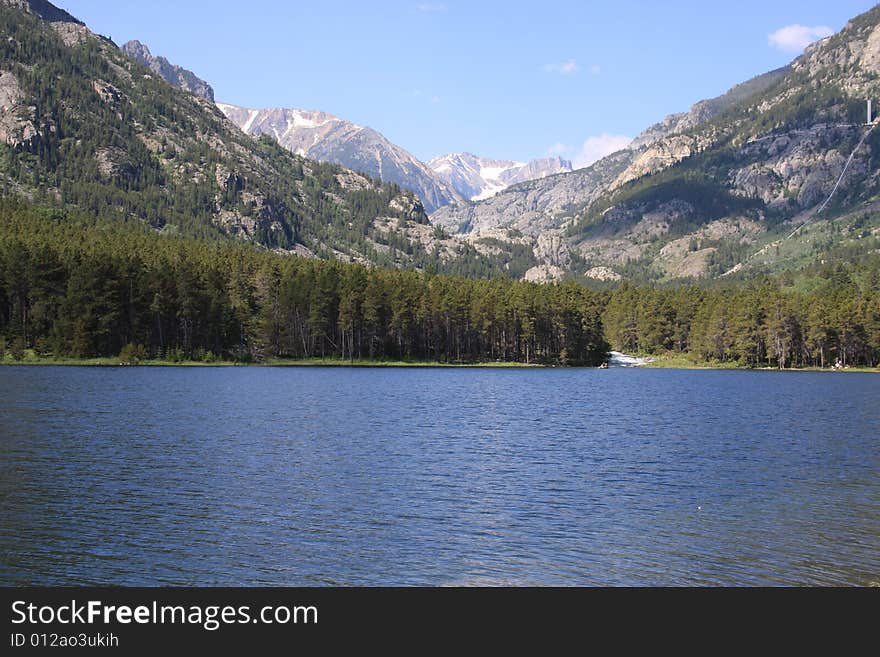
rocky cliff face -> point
(327, 138)
(477, 178)
(171, 73)
(17, 115)
(543, 205)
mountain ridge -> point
(44, 10)
(476, 178)
(719, 189)
(327, 138)
(777, 172)
(175, 75)
(637, 159)
(448, 179)
(100, 133)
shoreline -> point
(311, 362)
(665, 362)
(656, 362)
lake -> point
(333, 476)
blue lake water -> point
(311, 476)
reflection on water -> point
(450, 477)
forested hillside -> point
(84, 126)
(732, 188)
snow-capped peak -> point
(328, 138)
(479, 178)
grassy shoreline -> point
(36, 361)
(672, 362)
(681, 362)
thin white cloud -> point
(794, 38)
(595, 69)
(597, 147)
(432, 8)
(565, 68)
(426, 96)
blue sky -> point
(513, 80)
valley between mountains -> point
(141, 213)
(733, 186)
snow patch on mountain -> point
(478, 178)
(250, 120)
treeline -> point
(72, 286)
(78, 287)
(830, 318)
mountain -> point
(777, 173)
(85, 128)
(174, 75)
(327, 138)
(540, 204)
(477, 178)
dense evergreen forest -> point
(74, 286)
(830, 317)
(78, 287)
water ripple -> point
(439, 477)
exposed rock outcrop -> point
(771, 149)
(17, 114)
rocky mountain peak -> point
(137, 50)
(171, 73)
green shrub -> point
(17, 350)
(42, 347)
(132, 354)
